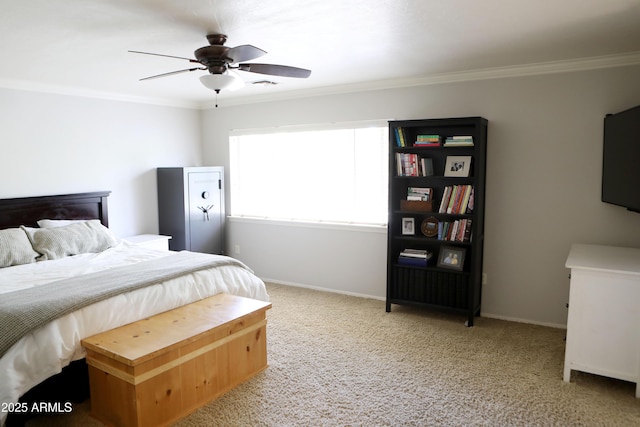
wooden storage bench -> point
(157, 370)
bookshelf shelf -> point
(451, 276)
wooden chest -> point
(157, 370)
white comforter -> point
(47, 350)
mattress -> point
(45, 351)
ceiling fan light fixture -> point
(227, 81)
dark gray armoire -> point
(191, 208)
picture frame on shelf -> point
(458, 166)
(408, 226)
(451, 257)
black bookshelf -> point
(452, 232)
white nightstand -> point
(154, 241)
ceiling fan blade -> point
(166, 56)
(275, 70)
(246, 52)
(172, 73)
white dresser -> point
(603, 326)
(155, 241)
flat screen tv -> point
(621, 159)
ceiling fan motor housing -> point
(214, 57)
(216, 39)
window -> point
(328, 175)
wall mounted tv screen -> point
(621, 159)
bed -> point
(77, 280)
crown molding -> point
(87, 93)
(540, 68)
(533, 69)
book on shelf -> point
(416, 262)
(427, 166)
(455, 194)
(416, 253)
(400, 137)
(446, 193)
(455, 231)
(461, 201)
(419, 193)
(457, 199)
(470, 203)
(410, 164)
(459, 141)
(428, 141)
(466, 235)
(415, 257)
(407, 164)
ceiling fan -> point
(222, 61)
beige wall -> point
(57, 144)
(543, 185)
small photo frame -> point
(408, 226)
(451, 257)
(457, 166)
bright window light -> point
(329, 175)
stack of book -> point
(419, 193)
(427, 141)
(457, 199)
(459, 141)
(415, 257)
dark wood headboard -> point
(28, 210)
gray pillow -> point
(15, 248)
(52, 223)
(79, 238)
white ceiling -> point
(81, 46)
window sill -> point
(368, 228)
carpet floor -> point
(337, 360)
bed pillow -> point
(74, 239)
(52, 223)
(15, 248)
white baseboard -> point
(318, 288)
(519, 320)
(354, 294)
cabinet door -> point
(205, 212)
(602, 325)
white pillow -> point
(15, 248)
(77, 238)
(52, 223)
